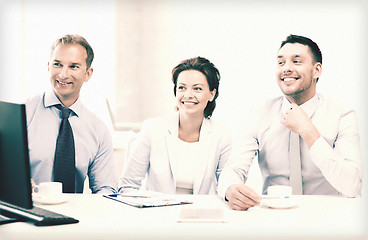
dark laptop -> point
(15, 186)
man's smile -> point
(63, 83)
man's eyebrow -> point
(55, 60)
(294, 56)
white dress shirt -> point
(93, 144)
(332, 166)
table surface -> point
(314, 217)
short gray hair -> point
(75, 39)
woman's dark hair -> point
(209, 71)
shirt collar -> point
(50, 99)
(309, 107)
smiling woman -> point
(195, 95)
(192, 95)
(182, 152)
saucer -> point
(49, 200)
(279, 203)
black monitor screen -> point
(15, 186)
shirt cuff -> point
(224, 185)
(106, 190)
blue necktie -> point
(64, 162)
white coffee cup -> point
(279, 191)
(49, 190)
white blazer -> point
(155, 147)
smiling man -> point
(88, 150)
(328, 157)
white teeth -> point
(188, 103)
(288, 79)
(62, 83)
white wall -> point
(28, 28)
(241, 38)
(137, 43)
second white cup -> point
(49, 189)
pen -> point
(130, 195)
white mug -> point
(49, 189)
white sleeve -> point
(341, 163)
(245, 148)
(137, 162)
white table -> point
(315, 217)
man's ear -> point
(317, 70)
(88, 74)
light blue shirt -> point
(93, 144)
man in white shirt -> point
(330, 155)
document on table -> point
(204, 215)
(146, 199)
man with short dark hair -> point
(329, 154)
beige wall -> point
(142, 87)
(138, 42)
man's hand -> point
(241, 197)
(33, 184)
(298, 121)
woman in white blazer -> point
(182, 152)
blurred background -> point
(138, 42)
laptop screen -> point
(15, 186)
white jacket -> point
(154, 149)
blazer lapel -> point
(170, 139)
(203, 155)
